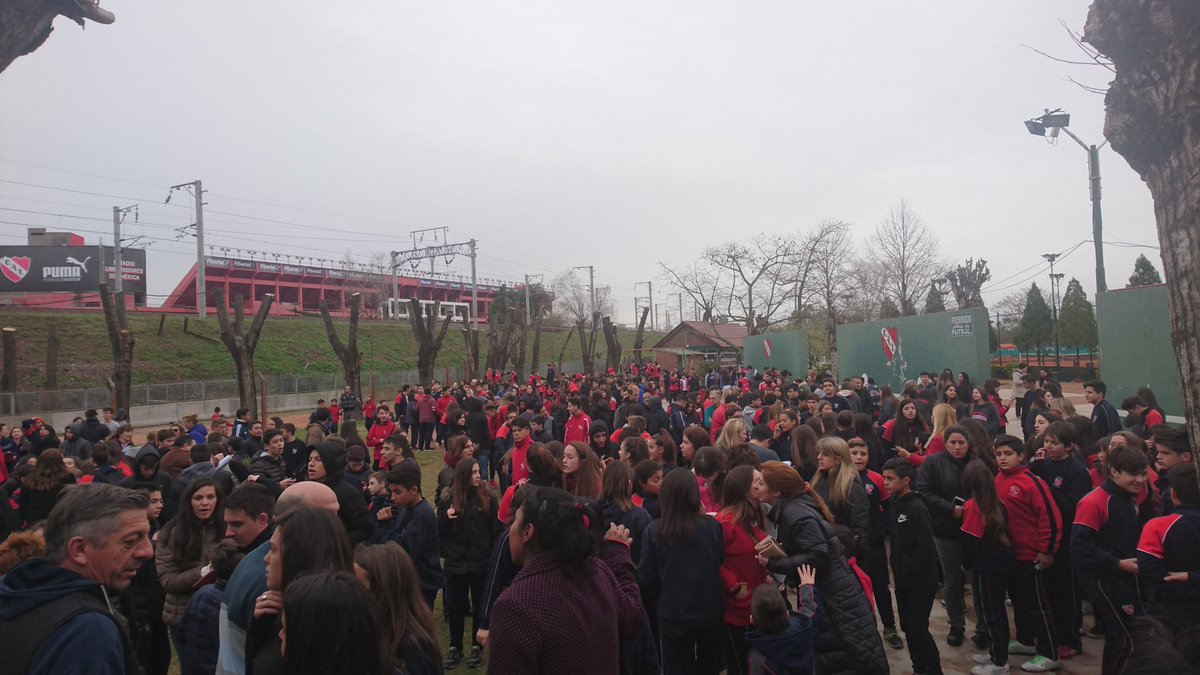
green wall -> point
(1135, 347)
(957, 340)
(789, 351)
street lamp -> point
(1056, 121)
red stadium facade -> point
(300, 289)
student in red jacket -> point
(380, 430)
(1035, 529)
(743, 523)
(578, 424)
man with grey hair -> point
(56, 612)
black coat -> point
(468, 539)
(848, 641)
(940, 481)
(352, 508)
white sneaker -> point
(982, 659)
(989, 669)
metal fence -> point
(21, 403)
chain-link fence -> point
(21, 403)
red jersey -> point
(577, 428)
(519, 469)
(1034, 522)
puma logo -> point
(82, 265)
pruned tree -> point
(613, 344)
(904, 253)
(428, 335)
(761, 282)
(966, 282)
(641, 333)
(1077, 320)
(1037, 323)
(562, 351)
(539, 316)
(519, 347)
(27, 23)
(243, 343)
(1151, 121)
(1144, 273)
(120, 338)
(346, 352)
(8, 374)
(500, 329)
(471, 352)
(587, 342)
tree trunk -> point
(27, 24)
(613, 344)
(429, 343)
(536, 362)
(641, 331)
(242, 344)
(1151, 122)
(563, 350)
(8, 379)
(519, 347)
(347, 353)
(504, 345)
(121, 340)
(52, 348)
(471, 353)
(585, 353)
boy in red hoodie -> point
(1035, 528)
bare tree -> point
(799, 273)
(347, 352)
(701, 281)
(762, 285)
(966, 282)
(428, 336)
(27, 23)
(8, 374)
(1151, 121)
(242, 344)
(573, 298)
(641, 332)
(121, 340)
(613, 342)
(904, 253)
(832, 281)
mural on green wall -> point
(894, 350)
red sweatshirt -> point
(578, 428)
(519, 470)
(1034, 523)
(739, 567)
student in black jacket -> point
(414, 527)
(1104, 415)
(913, 556)
(681, 569)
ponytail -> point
(562, 525)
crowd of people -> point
(651, 520)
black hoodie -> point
(352, 508)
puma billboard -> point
(56, 269)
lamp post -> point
(1055, 121)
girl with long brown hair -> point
(743, 523)
(581, 470)
(406, 622)
(41, 488)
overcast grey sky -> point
(612, 134)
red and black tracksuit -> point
(1069, 481)
(992, 564)
(1172, 544)
(1035, 527)
(1106, 531)
(876, 565)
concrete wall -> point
(785, 350)
(957, 340)
(1135, 345)
(165, 413)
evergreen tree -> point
(935, 301)
(1037, 324)
(1144, 273)
(888, 309)
(1077, 319)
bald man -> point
(249, 580)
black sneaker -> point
(476, 658)
(453, 658)
(955, 638)
(981, 641)
(893, 638)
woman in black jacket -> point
(467, 527)
(940, 482)
(40, 489)
(848, 641)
